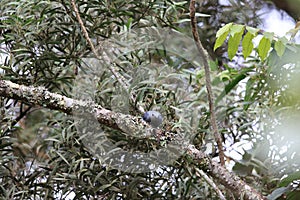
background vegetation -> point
(257, 100)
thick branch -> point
(210, 97)
(39, 96)
(232, 182)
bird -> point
(153, 118)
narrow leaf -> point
(290, 178)
(202, 15)
(278, 192)
(247, 44)
(264, 47)
(183, 20)
(231, 85)
(248, 93)
(129, 23)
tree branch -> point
(39, 96)
(204, 57)
(42, 97)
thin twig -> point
(119, 78)
(86, 35)
(205, 59)
(201, 173)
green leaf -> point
(264, 47)
(248, 94)
(236, 29)
(129, 23)
(251, 30)
(280, 46)
(220, 40)
(247, 44)
(223, 30)
(233, 44)
(269, 35)
(222, 35)
(235, 80)
(225, 75)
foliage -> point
(274, 78)
(236, 32)
(44, 157)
